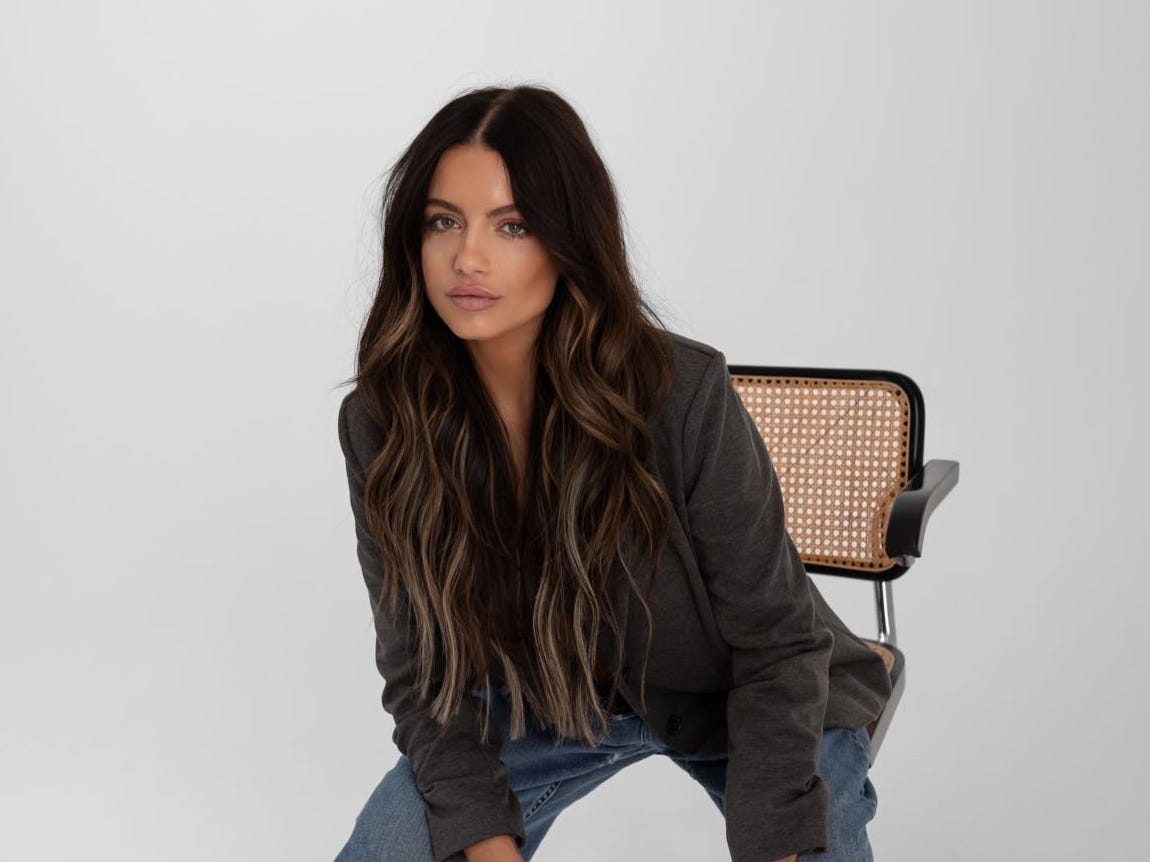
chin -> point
(471, 330)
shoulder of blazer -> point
(359, 436)
(692, 359)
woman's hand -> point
(794, 857)
(497, 848)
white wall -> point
(187, 244)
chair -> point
(847, 448)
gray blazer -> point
(746, 656)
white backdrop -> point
(188, 243)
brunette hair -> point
(495, 590)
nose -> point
(471, 255)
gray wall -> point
(187, 246)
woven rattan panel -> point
(840, 449)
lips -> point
(471, 290)
(474, 303)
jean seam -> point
(863, 747)
(547, 794)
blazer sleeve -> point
(776, 803)
(464, 784)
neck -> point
(507, 371)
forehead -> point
(471, 177)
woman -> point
(549, 491)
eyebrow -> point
(506, 208)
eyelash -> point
(523, 232)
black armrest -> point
(914, 504)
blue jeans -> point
(546, 778)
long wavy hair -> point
(499, 592)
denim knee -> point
(843, 765)
(392, 827)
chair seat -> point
(895, 663)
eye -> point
(431, 222)
(521, 231)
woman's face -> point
(474, 237)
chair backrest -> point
(844, 442)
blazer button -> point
(672, 725)
(627, 672)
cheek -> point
(547, 294)
(540, 271)
(436, 248)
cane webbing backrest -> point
(842, 451)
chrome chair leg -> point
(884, 606)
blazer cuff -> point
(458, 816)
(799, 826)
